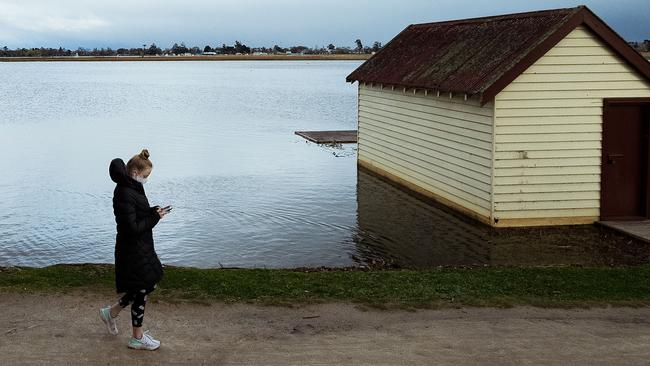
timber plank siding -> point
(548, 132)
(442, 144)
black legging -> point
(137, 299)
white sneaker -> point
(111, 323)
(146, 342)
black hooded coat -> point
(136, 263)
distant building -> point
(526, 119)
(209, 53)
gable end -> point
(591, 21)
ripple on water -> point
(246, 191)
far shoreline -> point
(348, 57)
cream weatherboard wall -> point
(436, 145)
(548, 132)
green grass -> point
(445, 287)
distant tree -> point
(227, 50)
(342, 50)
(179, 49)
(153, 50)
(241, 48)
(359, 45)
(643, 46)
(298, 49)
(183, 48)
(238, 47)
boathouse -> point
(525, 119)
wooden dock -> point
(330, 137)
(636, 229)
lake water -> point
(246, 191)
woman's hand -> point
(161, 212)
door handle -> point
(611, 158)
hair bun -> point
(144, 154)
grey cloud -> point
(116, 23)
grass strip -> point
(430, 288)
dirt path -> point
(42, 329)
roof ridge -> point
(491, 18)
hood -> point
(117, 170)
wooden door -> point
(624, 177)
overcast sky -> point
(131, 23)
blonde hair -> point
(139, 162)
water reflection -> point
(398, 229)
(247, 192)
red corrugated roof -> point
(480, 55)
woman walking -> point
(137, 267)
